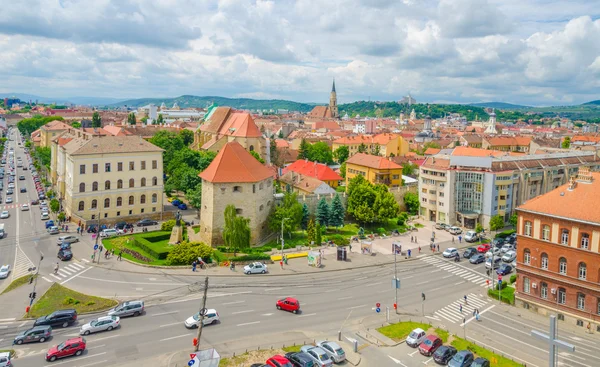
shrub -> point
(185, 253)
(513, 278)
(90, 303)
(222, 248)
(504, 284)
(70, 301)
(381, 231)
(402, 219)
(167, 225)
(146, 243)
(338, 239)
(506, 296)
(505, 234)
(154, 237)
(251, 257)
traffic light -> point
(395, 306)
(423, 296)
(33, 294)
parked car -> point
(494, 251)
(4, 214)
(455, 230)
(504, 269)
(288, 304)
(176, 202)
(440, 226)
(211, 318)
(5, 359)
(70, 347)
(105, 323)
(510, 240)
(35, 334)
(67, 239)
(255, 268)
(65, 254)
(109, 232)
(62, 318)
(430, 345)
(464, 358)
(4, 271)
(279, 361)
(492, 263)
(443, 354)
(477, 259)
(509, 256)
(53, 230)
(498, 242)
(123, 225)
(300, 359)
(469, 252)
(415, 338)
(480, 362)
(483, 248)
(182, 206)
(319, 356)
(507, 247)
(335, 352)
(146, 222)
(129, 308)
(24, 207)
(45, 216)
(471, 236)
(450, 252)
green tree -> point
(131, 119)
(361, 197)
(29, 125)
(43, 154)
(289, 208)
(186, 253)
(513, 220)
(362, 148)
(323, 212)
(96, 120)
(343, 170)
(408, 169)
(62, 216)
(566, 143)
(311, 233)
(411, 200)
(305, 217)
(337, 212)
(187, 136)
(496, 223)
(257, 156)
(385, 205)
(303, 150)
(377, 150)
(171, 142)
(319, 152)
(478, 230)
(275, 156)
(280, 135)
(194, 198)
(76, 124)
(341, 154)
(182, 179)
(318, 235)
(236, 231)
(160, 120)
(54, 205)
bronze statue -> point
(178, 219)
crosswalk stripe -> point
(87, 261)
(69, 272)
(71, 268)
(470, 276)
(77, 266)
(46, 279)
(458, 272)
(446, 317)
(447, 267)
(59, 278)
(455, 316)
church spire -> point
(333, 86)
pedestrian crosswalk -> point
(64, 272)
(10, 206)
(465, 273)
(22, 264)
(458, 310)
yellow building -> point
(50, 131)
(377, 170)
(388, 145)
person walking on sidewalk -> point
(194, 265)
(438, 247)
(56, 268)
(465, 297)
(120, 255)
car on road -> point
(65, 246)
(67, 239)
(53, 230)
(480, 362)
(4, 271)
(443, 354)
(70, 347)
(483, 248)
(65, 254)
(504, 269)
(24, 207)
(469, 252)
(21, 178)
(288, 304)
(489, 264)
(455, 230)
(300, 359)
(62, 318)
(182, 206)
(5, 359)
(450, 252)
(9, 199)
(319, 356)
(429, 345)
(45, 216)
(108, 232)
(416, 337)
(477, 259)
(507, 247)
(123, 225)
(509, 256)
(464, 358)
(211, 318)
(130, 308)
(105, 323)
(440, 226)
(5, 214)
(146, 222)
(35, 334)
(255, 268)
(23, 189)
(335, 352)
(35, 202)
(279, 361)
(176, 202)
(471, 236)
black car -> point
(469, 252)
(498, 242)
(443, 354)
(480, 362)
(92, 228)
(23, 189)
(510, 239)
(65, 254)
(300, 359)
(146, 222)
(61, 318)
(464, 358)
(477, 259)
(123, 225)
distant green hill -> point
(202, 102)
(593, 103)
(500, 105)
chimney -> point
(572, 183)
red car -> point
(288, 304)
(430, 345)
(483, 248)
(279, 361)
(70, 347)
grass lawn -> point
(59, 297)
(196, 230)
(121, 241)
(18, 282)
(401, 330)
(496, 360)
(299, 238)
(255, 356)
(443, 334)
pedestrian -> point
(281, 264)
(194, 265)
(438, 246)
(112, 252)
(56, 268)
(411, 239)
(419, 249)
(452, 239)
(409, 253)
(474, 312)
(77, 230)
(350, 245)
(120, 255)
(465, 299)
(459, 239)
(67, 228)
(477, 315)
(460, 308)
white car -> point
(5, 359)
(507, 247)
(24, 207)
(211, 317)
(4, 271)
(494, 250)
(416, 337)
(45, 216)
(4, 214)
(107, 323)
(509, 256)
(318, 355)
(471, 236)
(9, 199)
(455, 230)
(255, 268)
(109, 232)
(11, 185)
(450, 252)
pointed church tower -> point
(333, 107)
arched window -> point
(251, 148)
(143, 182)
(527, 256)
(154, 181)
(564, 237)
(526, 285)
(143, 199)
(581, 301)
(585, 241)
(544, 290)
(82, 187)
(582, 272)
(154, 198)
(119, 201)
(107, 185)
(107, 203)
(528, 228)
(260, 186)
(544, 262)
(131, 200)
(546, 232)
(562, 266)
(131, 182)
(95, 186)
(94, 204)
(119, 184)
(81, 206)
(237, 189)
(561, 297)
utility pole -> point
(395, 279)
(282, 221)
(32, 295)
(202, 313)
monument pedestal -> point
(176, 235)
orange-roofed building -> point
(376, 169)
(387, 144)
(317, 170)
(558, 252)
(520, 144)
(476, 152)
(51, 130)
(236, 178)
(431, 151)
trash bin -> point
(341, 254)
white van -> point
(471, 236)
(2, 230)
(109, 232)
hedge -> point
(251, 257)
(513, 278)
(148, 244)
(505, 234)
(507, 295)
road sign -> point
(192, 355)
(499, 282)
(95, 247)
(499, 277)
(378, 310)
(378, 305)
(191, 362)
(203, 311)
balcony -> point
(383, 179)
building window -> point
(82, 169)
(527, 256)
(131, 182)
(143, 164)
(95, 186)
(544, 262)
(528, 228)
(154, 164)
(260, 186)
(81, 206)
(118, 214)
(237, 189)
(154, 181)
(561, 297)
(106, 185)
(94, 204)
(82, 187)
(581, 301)
(119, 184)
(598, 306)
(261, 208)
(238, 211)
(562, 266)
(143, 182)
(254, 188)
(582, 273)
(564, 237)
(131, 166)
(131, 200)
(546, 233)
(251, 148)
(526, 285)
(120, 166)
(585, 241)
(119, 201)
(143, 199)
(95, 168)
(106, 167)
(154, 198)
(544, 290)
(107, 203)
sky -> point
(529, 52)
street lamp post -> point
(32, 296)
(282, 221)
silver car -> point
(4, 271)
(131, 308)
(255, 268)
(318, 355)
(67, 239)
(105, 323)
(335, 352)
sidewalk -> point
(14, 302)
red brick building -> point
(558, 258)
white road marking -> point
(151, 278)
(175, 337)
(482, 312)
(165, 313)
(3, 327)
(87, 261)
(427, 361)
(307, 315)
(75, 276)
(447, 276)
(239, 312)
(93, 364)
(67, 272)
(77, 266)
(125, 282)
(23, 323)
(343, 298)
(232, 303)
(97, 346)
(171, 324)
(249, 323)
(461, 282)
(425, 282)
(46, 279)
(413, 353)
(353, 307)
(272, 289)
(361, 278)
(408, 277)
(267, 314)
(397, 361)
(106, 337)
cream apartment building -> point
(435, 192)
(111, 178)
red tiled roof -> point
(329, 125)
(241, 124)
(507, 140)
(373, 161)
(432, 151)
(313, 169)
(234, 164)
(477, 152)
(280, 143)
(320, 111)
(367, 139)
(62, 141)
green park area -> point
(19, 282)
(58, 297)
